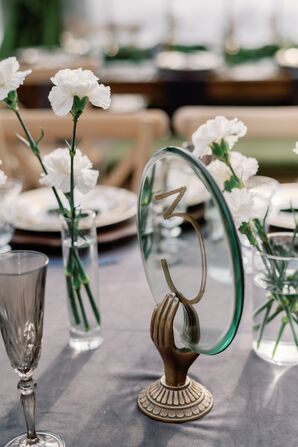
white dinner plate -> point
(36, 208)
(285, 198)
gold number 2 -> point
(167, 214)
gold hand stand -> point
(175, 397)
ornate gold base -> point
(175, 404)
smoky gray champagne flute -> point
(22, 290)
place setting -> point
(38, 223)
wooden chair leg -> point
(121, 172)
(142, 152)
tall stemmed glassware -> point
(22, 288)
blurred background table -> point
(225, 87)
(90, 398)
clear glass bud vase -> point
(79, 244)
(275, 297)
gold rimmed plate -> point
(37, 209)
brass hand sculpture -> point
(175, 397)
(176, 361)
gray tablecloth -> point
(90, 398)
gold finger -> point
(152, 323)
(157, 320)
(169, 331)
(162, 321)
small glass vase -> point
(275, 297)
(79, 244)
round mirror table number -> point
(192, 260)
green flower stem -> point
(276, 273)
(70, 286)
(35, 149)
(72, 153)
(279, 335)
(78, 270)
(233, 172)
(81, 271)
(269, 319)
(292, 327)
(262, 326)
(69, 264)
(85, 282)
(71, 295)
(289, 316)
(292, 245)
(85, 320)
(74, 272)
(293, 320)
(262, 307)
(280, 299)
(235, 176)
(92, 302)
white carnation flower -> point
(241, 205)
(295, 150)
(214, 131)
(10, 76)
(57, 164)
(245, 206)
(260, 207)
(3, 177)
(220, 172)
(81, 83)
(244, 167)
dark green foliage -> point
(30, 23)
(251, 54)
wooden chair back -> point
(142, 128)
(262, 122)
